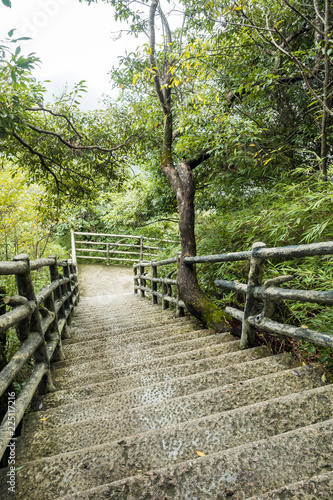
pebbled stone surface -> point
(150, 394)
(118, 347)
(211, 434)
(247, 469)
(129, 354)
(110, 426)
(163, 374)
(318, 487)
(142, 335)
(78, 370)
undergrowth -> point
(298, 213)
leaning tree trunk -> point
(196, 301)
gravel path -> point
(95, 280)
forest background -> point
(234, 107)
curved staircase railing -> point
(41, 321)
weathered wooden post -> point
(142, 281)
(73, 276)
(26, 289)
(180, 312)
(58, 354)
(165, 303)
(3, 336)
(136, 281)
(141, 248)
(61, 314)
(107, 254)
(3, 361)
(254, 279)
(154, 283)
(68, 289)
(73, 247)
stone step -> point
(122, 384)
(316, 487)
(238, 472)
(142, 396)
(120, 319)
(127, 355)
(252, 468)
(110, 329)
(112, 324)
(178, 325)
(83, 369)
(162, 374)
(54, 440)
(179, 442)
(132, 343)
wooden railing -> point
(41, 321)
(166, 289)
(113, 247)
(260, 297)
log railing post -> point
(141, 248)
(73, 272)
(136, 281)
(254, 279)
(3, 337)
(58, 354)
(142, 281)
(180, 311)
(58, 297)
(26, 289)
(165, 303)
(68, 288)
(107, 254)
(73, 247)
(153, 283)
(3, 360)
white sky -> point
(73, 41)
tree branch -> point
(74, 146)
(195, 162)
(41, 158)
(41, 108)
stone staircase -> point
(149, 406)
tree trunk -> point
(196, 301)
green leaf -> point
(7, 3)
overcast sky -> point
(73, 40)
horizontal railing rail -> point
(41, 321)
(113, 249)
(260, 298)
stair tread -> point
(177, 441)
(141, 366)
(235, 393)
(168, 372)
(315, 487)
(242, 470)
(212, 375)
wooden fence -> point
(41, 321)
(169, 289)
(260, 297)
(113, 247)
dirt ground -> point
(100, 279)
